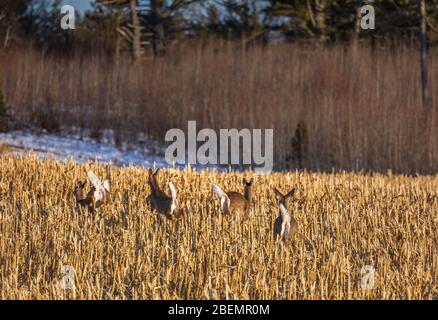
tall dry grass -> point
(125, 251)
(356, 112)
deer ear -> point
(83, 184)
(278, 194)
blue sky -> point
(80, 5)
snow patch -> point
(79, 149)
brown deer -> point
(232, 201)
(285, 226)
(160, 201)
(98, 194)
(78, 192)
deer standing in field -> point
(79, 194)
(98, 194)
(232, 201)
(285, 226)
(160, 201)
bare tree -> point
(423, 47)
(131, 32)
(158, 16)
(356, 30)
(136, 38)
(11, 14)
(148, 19)
(316, 11)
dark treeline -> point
(152, 27)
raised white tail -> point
(101, 188)
(172, 188)
(106, 185)
(95, 181)
(225, 200)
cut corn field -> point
(346, 222)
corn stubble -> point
(125, 251)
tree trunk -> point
(7, 37)
(318, 18)
(136, 41)
(356, 31)
(423, 46)
(159, 36)
(159, 44)
(118, 40)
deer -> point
(285, 226)
(232, 202)
(98, 194)
(160, 201)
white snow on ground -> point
(80, 150)
(76, 145)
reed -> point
(329, 108)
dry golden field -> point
(125, 251)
